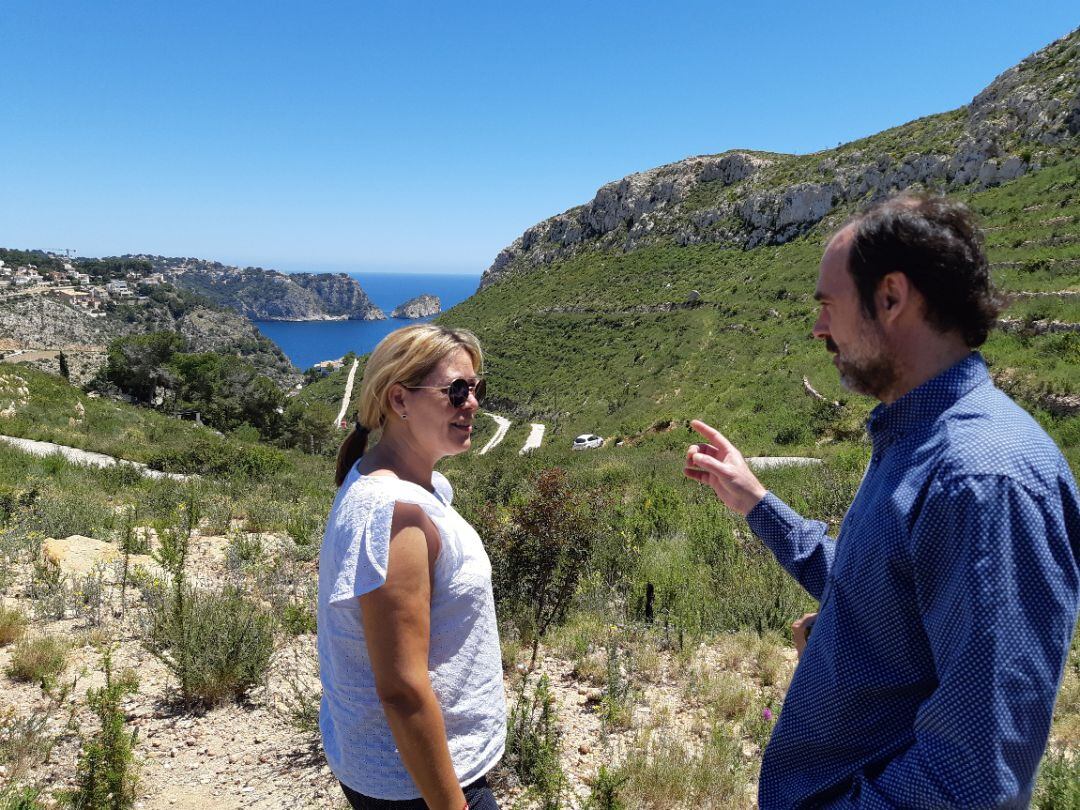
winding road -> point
(535, 437)
(348, 393)
(500, 432)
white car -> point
(586, 441)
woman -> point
(413, 713)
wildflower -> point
(766, 713)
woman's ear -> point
(396, 397)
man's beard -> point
(872, 372)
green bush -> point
(217, 644)
(1058, 785)
(13, 797)
(532, 743)
(106, 773)
(38, 660)
(212, 455)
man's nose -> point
(821, 327)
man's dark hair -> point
(936, 243)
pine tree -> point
(65, 372)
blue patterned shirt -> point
(948, 602)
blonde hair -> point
(406, 356)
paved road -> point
(348, 393)
(500, 432)
(535, 437)
(86, 457)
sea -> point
(309, 342)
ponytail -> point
(350, 452)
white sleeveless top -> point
(464, 660)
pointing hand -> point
(721, 466)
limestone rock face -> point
(422, 306)
(270, 295)
(743, 199)
(341, 295)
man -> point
(950, 596)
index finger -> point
(713, 435)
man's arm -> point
(801, 546)
(996, 583)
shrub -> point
(541, 551)
(13, 797)
(38, 660)
(532, 742)
(24, 740)
(12, 625)
(105, 774)
(217, 644)
(298, 619)
(1058, 784)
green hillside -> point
(610, 343)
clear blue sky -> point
(428, 135)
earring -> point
(404, 416)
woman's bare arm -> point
(397, 626)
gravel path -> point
(348, 393)
(85, 457)
(536, 435)
(770, 462)
(500, 432)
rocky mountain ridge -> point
(261, 294)
(1027, 117)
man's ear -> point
(893, 296)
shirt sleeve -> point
(996, 586)
(361, 552)
(801, 546)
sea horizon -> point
(306, 343)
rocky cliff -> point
(270, 295)
(422, 306)
(44, 323)
(341, 295)
(1028, 117)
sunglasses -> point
(457, 391)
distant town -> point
(70, 286)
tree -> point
(65, 372)
(539, 553)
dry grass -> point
(12, 625)
(38, 660)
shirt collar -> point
(921, 406)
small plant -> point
(1058, 783)
(298, 619)
(13, 797)
(48, 589)
(617, 705)
(606, 787)
(38, 660)
(12, 625)
(218, 644)
(106, 774)
(24, 741)
(89, 595)
(532, 743)
(245, 550)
